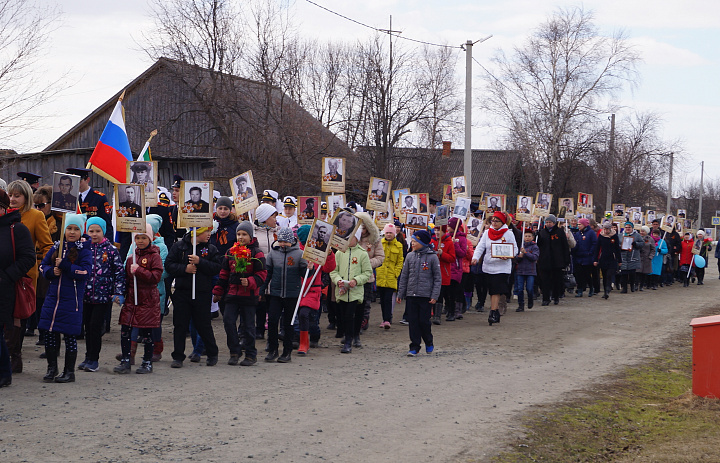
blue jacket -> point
(660, 250)
(107, 278)
(586, 248)
(62, 311)
(286, 269)
(226, 234)
(526, 265)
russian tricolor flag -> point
(112, 152)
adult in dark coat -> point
(554, 258)
(674, 244)
(583, 255)
(607, 256)
(94, 203)
(15, 262)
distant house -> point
(426, 170)
(210, 125)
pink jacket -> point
(461, 246)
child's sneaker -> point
(123, 368)
(83, 364)
(387, 325)
(429, 349)
(382, 325)
(412, 353)
(145, 368)
(404, 322)
(92, 366)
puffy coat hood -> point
(369, 225)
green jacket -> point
(351, 264)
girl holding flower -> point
(243, 273)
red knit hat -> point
(501, 216)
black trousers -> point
(417, 310)
(595, 277)
(386, 302)
(352, 315)
(583, 275)
(261, 311)
(281, 308)
(552, 284)
(234, 310)
(197, 310)
(94, 315)
(608, 275)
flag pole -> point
(307, 290)
(147, 145)
(302, 288)
(135, 277)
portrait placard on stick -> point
(419, 221)
(523, 213)
(194, 209)
(333, 175)
(381, 219)
(243, 191)
(335, 202)
(145, 173)
(308, 209)
(447, 198)
(442, 214)
(409, 204)
(668, 223)
(474, 227)
(378, 192)
(566, 208)
(585, 203)
(346, 224)
(649, 217)
(66, 190)
(318, 243)
(424, 200)
(636, 216)
(397, 197)
(462, 207)
(482, 206)
(130, 207)
(681, 214)
(618, 210)
(459, 187)
(495, 202)
(541, 208)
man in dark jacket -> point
(554, 258)
(674, 243)
(182, 264)
(583, 255)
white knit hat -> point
(264, 212)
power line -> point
(381, 30)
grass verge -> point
(644, 413)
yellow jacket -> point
(389, 272)
(35, 221)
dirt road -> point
(373, 405)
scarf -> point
(497, 234)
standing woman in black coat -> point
(608, 257)
(11, 270)
(554, 257)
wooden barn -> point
(211, 126)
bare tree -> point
(549, 93)
(25, 28)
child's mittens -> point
(119, 299)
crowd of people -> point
(250, 269)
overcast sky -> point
(97, 44)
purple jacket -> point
(526, 264)
(456, 268)
(107, 278)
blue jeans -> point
(526, 282)
(197, 342)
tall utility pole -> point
(702, 171)
(467, 154)
(669, 198)
(611, 165)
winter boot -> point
(459, 310)
(479, 307)
(52, 371)
(133, 350)
(145, 368)
(68, 375)
(286, 356)
(468, 302)
(521, 307)
(502, 307)
(530, 299)
(347, 345)
(124, 366)
(450, 313)
(304, 343)
(314, 341)
(157, 351)
(578, 293)
(437, 314)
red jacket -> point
(447, 258)
(147, 313)
(312, 299)
(256, 273)
(686, 255)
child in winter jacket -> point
(420, 284)
(141, 311)
(182, 264)
(243, 274)
(308, 315)
(525, 271)
(105, 284)
(352, 272)
(388, 273)
(62, 310)
(286, 268)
